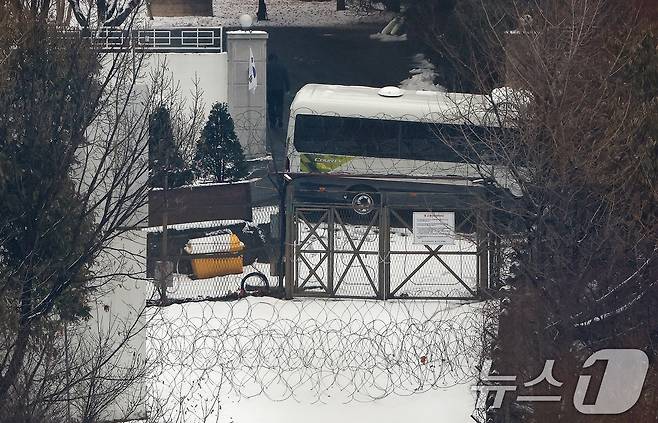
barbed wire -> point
(314, 349)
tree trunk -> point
(59, 12)
(22, 338)
(16, 362)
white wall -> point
(118, 305)
(209, 69)
(117, 309)
(118, 322)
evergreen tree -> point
(164, 155)
(219, 155)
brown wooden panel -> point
(201, 203)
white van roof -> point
(366, 102)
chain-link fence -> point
(388, 244)
(215, 259)
(339, 252)
(362, 243)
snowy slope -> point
(267, 360)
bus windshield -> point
(394, 139)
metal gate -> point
(341, 251)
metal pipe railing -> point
(204, 39)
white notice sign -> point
(437, 228)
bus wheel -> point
(364, 201)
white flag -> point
(253, 78)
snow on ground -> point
(449, 405)
(422, 76)
(280, 13)
(392, 32)
(387, 38)
(267, 360)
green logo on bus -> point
(321, 163)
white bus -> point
(393, 133)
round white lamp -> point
(246, 21)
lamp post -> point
(246, 21)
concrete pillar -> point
(248, 108)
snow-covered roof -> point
(199, 183)
(357, 101)
(261, 215)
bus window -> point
(392, 139)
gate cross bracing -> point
(338, 252)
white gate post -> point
(248, 107)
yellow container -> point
(209, 267)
